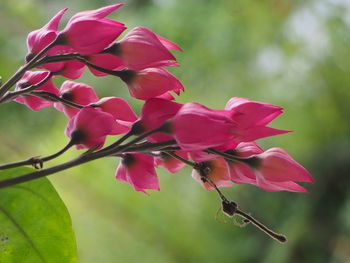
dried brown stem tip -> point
(231, 209)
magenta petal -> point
(94, 125)
(240, 173)
(39, 39)
(280, 186)
(154, 113)
(92, 36)
(196, 127)
(251, 113)
(153, 82)
(118, 107)
(96, 13)
(257, 132)
(278, 166)
(168, 44)
(141, 49)
(139, 172)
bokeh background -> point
(295, 54)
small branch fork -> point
(230, 208)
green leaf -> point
(35, 225)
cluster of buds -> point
(219, 144)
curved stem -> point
(84, 158)
(174, 155)
(36, 160)
(10, 82)
(53, 156)
(118, 73)
(56, 58)
(45, 95)
(75, 56)
(159, 146)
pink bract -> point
(89, 32)
(31, 78)
(89, 128)
(278, 166)
(39, 39)
(152, 82)
(138, 171)
(272, 170)
(141, 48)
(120, 110)
(78, 93)
(154, 113)
(251, 118)
(196, 127)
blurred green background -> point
(295, 54)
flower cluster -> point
(220, 144)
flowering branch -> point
(220, 145)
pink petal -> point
(139, 172)
(154, 113)
(153, 82)
(141, 49)
(95, 125)
(278, 166)
(118, 107)
(39, 39)
(95, 14)
(196, 127)
(92, 36)
(168, 44)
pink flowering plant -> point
(219, 144)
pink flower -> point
(151, 82)
(170, 163)
(251, 118)
(196, 127)
(141, 48)
(272, 170)
(156, 112)
(138, 171)
(89, 32)
(120, 110)
(32, 78)
(78, 93)
(89, 128)
(216, 170)
(39, 39)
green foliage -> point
(35, 225)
